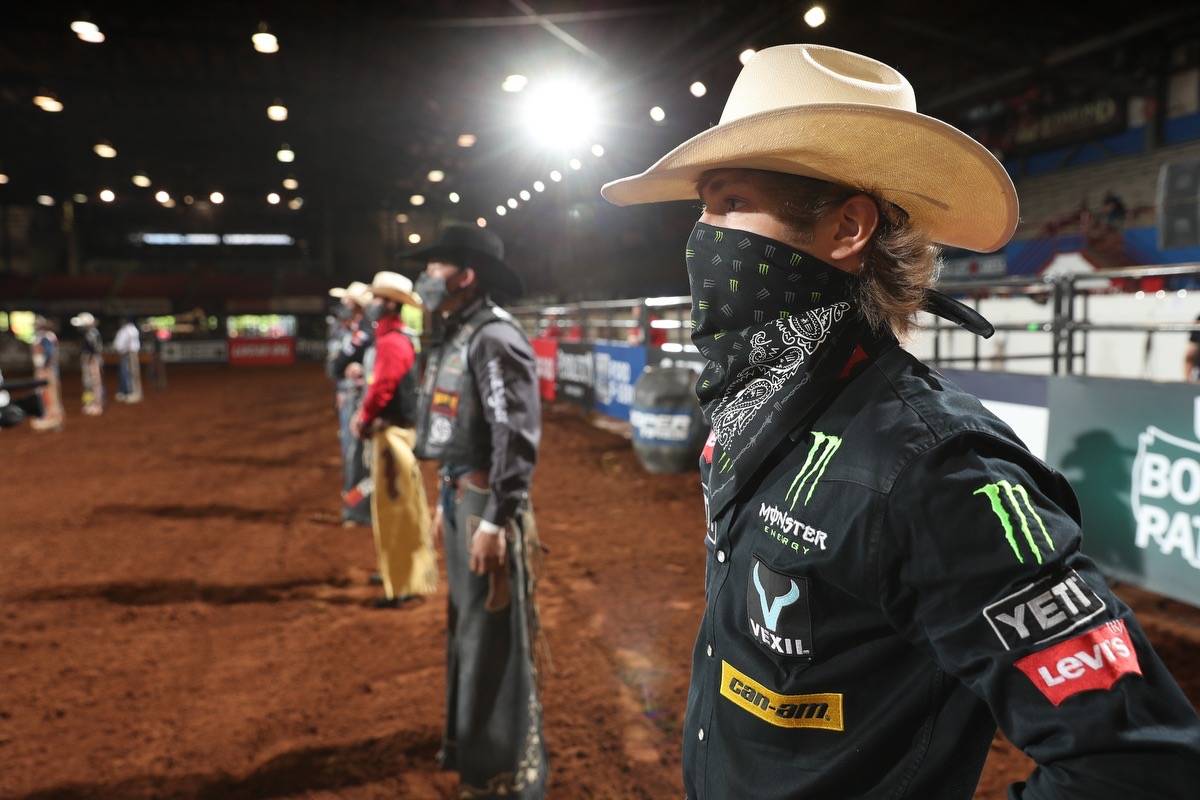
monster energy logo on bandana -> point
(776, 325)
(1010, 501)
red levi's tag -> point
(1093, 660)
(707, 453)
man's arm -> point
(1191, 360)
(394, 357)
(506, 376)
(979, 561)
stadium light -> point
(555, 175)
(514, 83)
(814, 17)
(436, 176)
(598, 150)
(561, 114)
(45, 200)
(414, 238)
(454, 197)
(285, 154)
(108, 195)
(216, 198)
(501, 211)
(657, 114)
(746, 55)
(3, 179)
(140, 180)
(87, 31)
(291, 184)
(48, 103)
(576, 164)
(467, 140)
(170, 203)
(273, 198)
(481, 222)
(512, 203)
(162, 196)
(402, 218)
(417, 200)
(295, 203)
(264, 41)
(277, 111)
(538, 186)
(525, 195)
(698, 89)
(104, 149)
(79, 197)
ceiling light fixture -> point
(141, 180)
(436, 176)
(45, 200)
(285, 154)
(273, 198)
(512, 203)
(104, 149)
(417, 200)
(454, 198)
(414, 238)
(467, 140)
(525, 195)
(575, 163)
(79, 197)
(162, 196)
(657, 114)
(814, 17)
(501, 210)
(698, 89)
(264, 41)
(538, 186)
(295, 203)
(108, 195)
(598, 150)
(291, 184)
(514, 83)
(555, 175)
(481, 222)
(277, 111)
(48, 103)
(402, 218)
(746, 55)
(216, 198)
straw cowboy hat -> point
(466, 245)
(357, 292)
(394, 286)
(83, 320)
(841, 117)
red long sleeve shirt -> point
(394, 357)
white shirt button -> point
(721, 556)
(700, 735)
(710, 651)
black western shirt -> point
(901, 576)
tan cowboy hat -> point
(394, 286)
(837, 116)
(83, 319)
(357, 292)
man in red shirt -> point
(399, 512)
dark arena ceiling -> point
(378, 94)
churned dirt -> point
(182, 616)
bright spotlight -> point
(575, 163)
(295, 203)
(3, 179)
(525, 195)
(216, 198)
(657, 114)
(512, 203)
(481, 222)
(414, 238)
(48, 103)
(561, 114)
(598, 150)
(698, 89)
(467, 140)
(746, 55)
(555, 175)
(501, 211)
(815, 17)
(104, 150)
(291, 184)
(264, 41)
(162, 196)
(141, 180)
(417, 200)
(538, 186)
(273, 198)
(277, 112)
(45, 200)
(514, 83)
(402, 218)
(436, 176)
(454, 198)
(108, 195)
(285, 154)
(82, 26)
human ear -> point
(857, 219)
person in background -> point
(480, 418)
(46, 367)
(128, 344)
(1191, 357)
(399, 511)
(91, 363)
(352, 340)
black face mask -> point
(433, 291)
(772, 322)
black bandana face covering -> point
(772, 322)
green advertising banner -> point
(1131, 450)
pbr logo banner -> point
(573, 370)
(546, 353)
(1131, 450)
(618, 366)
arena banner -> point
(195, 351)
(573, 373)
(1131, 450)
(618, 366)
(546, 351)
(247, 351)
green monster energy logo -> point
(763, 268)
(719, 235)
(819, 455)
(784, 314)
(725, 462)
(795, 259)
(703, 304)
(733, 284)
(814, 297)
(689, 253)
(1018, 501)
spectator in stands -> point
(889, 571)
(399, 511)
(91, 363)
(46, 367)
(1113, 211)
(128, 344)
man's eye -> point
(732, 204)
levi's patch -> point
(779, 616)
(1092, 661)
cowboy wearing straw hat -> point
(91, 363)
(480, 417)
(46, 354)
(890, 572)
(399, 511)
(349, 346)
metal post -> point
(975, 343)
(1056, 328)
(1086, 319)
(1068, 320)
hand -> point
(488, 552)
(356, 426)
(437, 522)
(354, 371)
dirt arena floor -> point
(182, 616)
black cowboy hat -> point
(466, 245)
